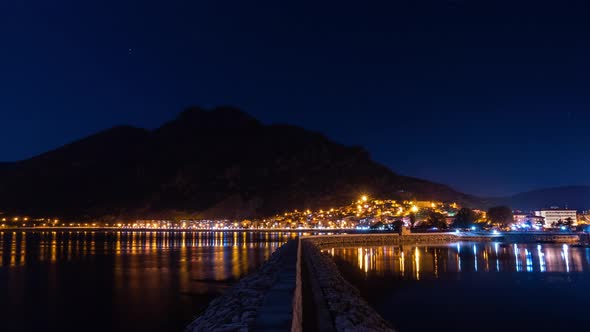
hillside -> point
(219, 162)
(573, 197)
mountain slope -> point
(220, 162)
(573, 197)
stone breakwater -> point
(541, 237)
(348, 310)
(238, 308)
(324, 241)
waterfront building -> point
(528, 220)
(520, 218)
(536, 220)
(552, 216)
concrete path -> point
(276, 313)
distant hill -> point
(573, 197)
(219, 162)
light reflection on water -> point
(121, 280)
(419, 261)
(473, 286)
(52, 246)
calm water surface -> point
(473, 286)
(120, 281)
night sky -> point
(489, 97)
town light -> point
(364, 198)
(414, 209)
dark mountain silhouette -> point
(572, 197)
(219, 162)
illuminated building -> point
(554, 215)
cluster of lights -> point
(524, 227)
(362, 212)
(360, 215)
(26, 219)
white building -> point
(554, 215)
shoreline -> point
(69, 228)
(543, 237)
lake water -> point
(473, 286)
(120, 281)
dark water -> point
(474, 286)
(120, 281)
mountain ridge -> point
(220, 162)
(574, 197)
